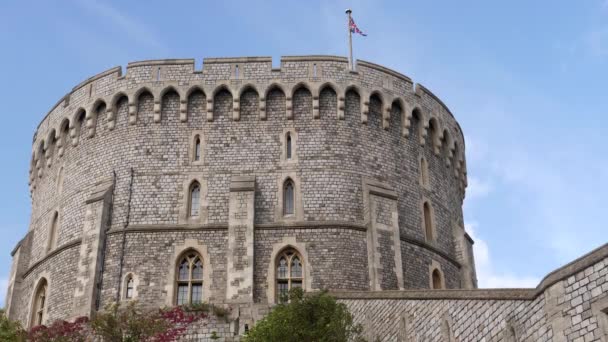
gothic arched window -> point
(288, 197)
(194, 199)
(189, 279)
(289, 273)
(129, 287)
(38, 312)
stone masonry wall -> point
(138, 129)
(570, 304)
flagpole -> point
(350, 42)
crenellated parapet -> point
(96, 100)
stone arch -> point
(76, 125)
(160, 105)
(377, 120)
(418, 125)
(298, 99)
(397, 118)
(247, 104)
(135, 107)
(447, 146)
(457, 159)
(93, 116)
(274, 102)
(434, 132)
(274, 86)
(406, 114)
(353, 99)
(192, 95)
(49, 146)
(222, 88)
(277, 249)
(64, 132)
(509, 333)
(328, 105)
(112, 112)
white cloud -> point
(487, 276)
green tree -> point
(312, 318)
(10, 330)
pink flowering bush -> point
(114, 324)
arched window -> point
(428, 221)
(129, 287)
(189, 289)
(288, 145)
(195, 196)
(38, 312)
(289, 268)
(437, 282)
(53, 233)
(424, 172)
(197, 148)
(288, 197)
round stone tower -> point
(234, 183)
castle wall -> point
(570, 304)
(348, 127)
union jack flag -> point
(354, 29)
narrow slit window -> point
(236, 71)
(195, 195)
(129, 288)
(158, 74)
(314, 70)
(288, 200)
(197, 149)
(288, 145)
(53, 233)
(436, 279)
(428, 224)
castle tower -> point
(234, 183)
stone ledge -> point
(484, 294)
(579, 264)
(311, 225)
(221, 60)
(431, 248)
(383, 69)
(314, 58)
(143, 228)
(176, 61)
(71, 244)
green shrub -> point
(316, 317)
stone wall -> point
(349, 128)
(570, 304)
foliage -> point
(317, 317)
(61, 331)
(132, 325)
(10, 330)
(114, 324)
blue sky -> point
(525, 79)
